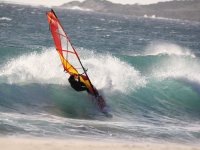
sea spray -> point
(105, 70)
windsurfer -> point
(79, 82)
(76, 83)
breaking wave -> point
(105, 70)
(184, 69)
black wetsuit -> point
(77, 85)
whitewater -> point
(147, 69)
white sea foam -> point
(163, 48)
(5, 18)
(105, 71)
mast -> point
(86, 74)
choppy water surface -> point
(147, 69)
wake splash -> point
(105, 71)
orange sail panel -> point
(68, 55)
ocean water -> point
(147, 69)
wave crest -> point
(162, 48)
(183, 69)
(5, 18)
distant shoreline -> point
(187, 11)
(183, 10)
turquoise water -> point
(147, 69)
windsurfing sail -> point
(69, 57)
